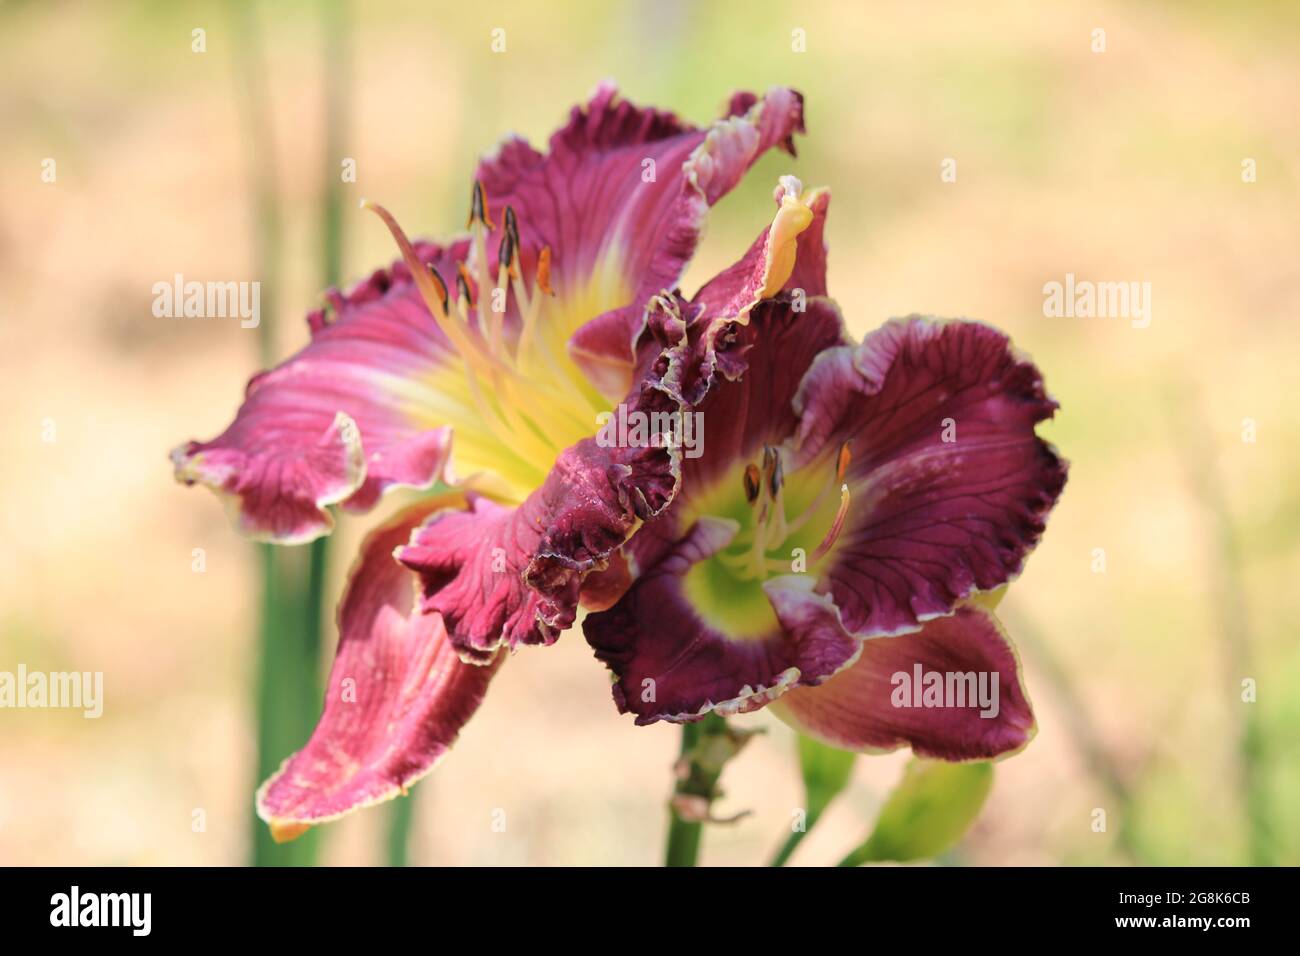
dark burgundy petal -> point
(932, 520)
(877, 704)
(670, 663)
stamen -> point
(506, 255)
(544, 271)
(464, 290)
(512, 226)
(434, 292)
(752, 483)
(532, 416)
(770, 463)
(441, 284)
(478, 208)
(837, 525)
(842, 462)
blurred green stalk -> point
(288, 678)
(337, 63)
(288, 694)
(401, 815)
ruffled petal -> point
(952, 690)
(351, 415)
(788, 255)
(950, 485)
(398, 696)
(740, 380)
(501, 575)
(620, 200)
(670, 662)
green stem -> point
(792, 843)
(288, 690)
(401, 814)
(683, 835)
(707, 745)
(288, 679)
(337, 68)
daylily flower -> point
(483, 363)
(855, 516)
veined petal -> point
(661, 631)
(398, 695)
(741, 380)
(686, 345)
(620, 201)
(950, 485)
(951, 690)
(670, 662)
(351, 415)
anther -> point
(512, 227)
(842, 461)
(777, 478)
(506, 254)
(769, 463)
(752, 483)
(478, 209)
(544, 270)
(463, 288)
(441, 285)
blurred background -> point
(224, 164)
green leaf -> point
(826, 771)
(927, 813)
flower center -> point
(787, 525)
(515, 399)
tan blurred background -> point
(1121, 165)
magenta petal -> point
(470, 564)
(951, 486)
(620, 199)
(765, 362)
(340, 422)
(669, 663)
(398, 696)
(877, 703)
(512, 576)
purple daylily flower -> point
(483, 363)
(854, 517)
